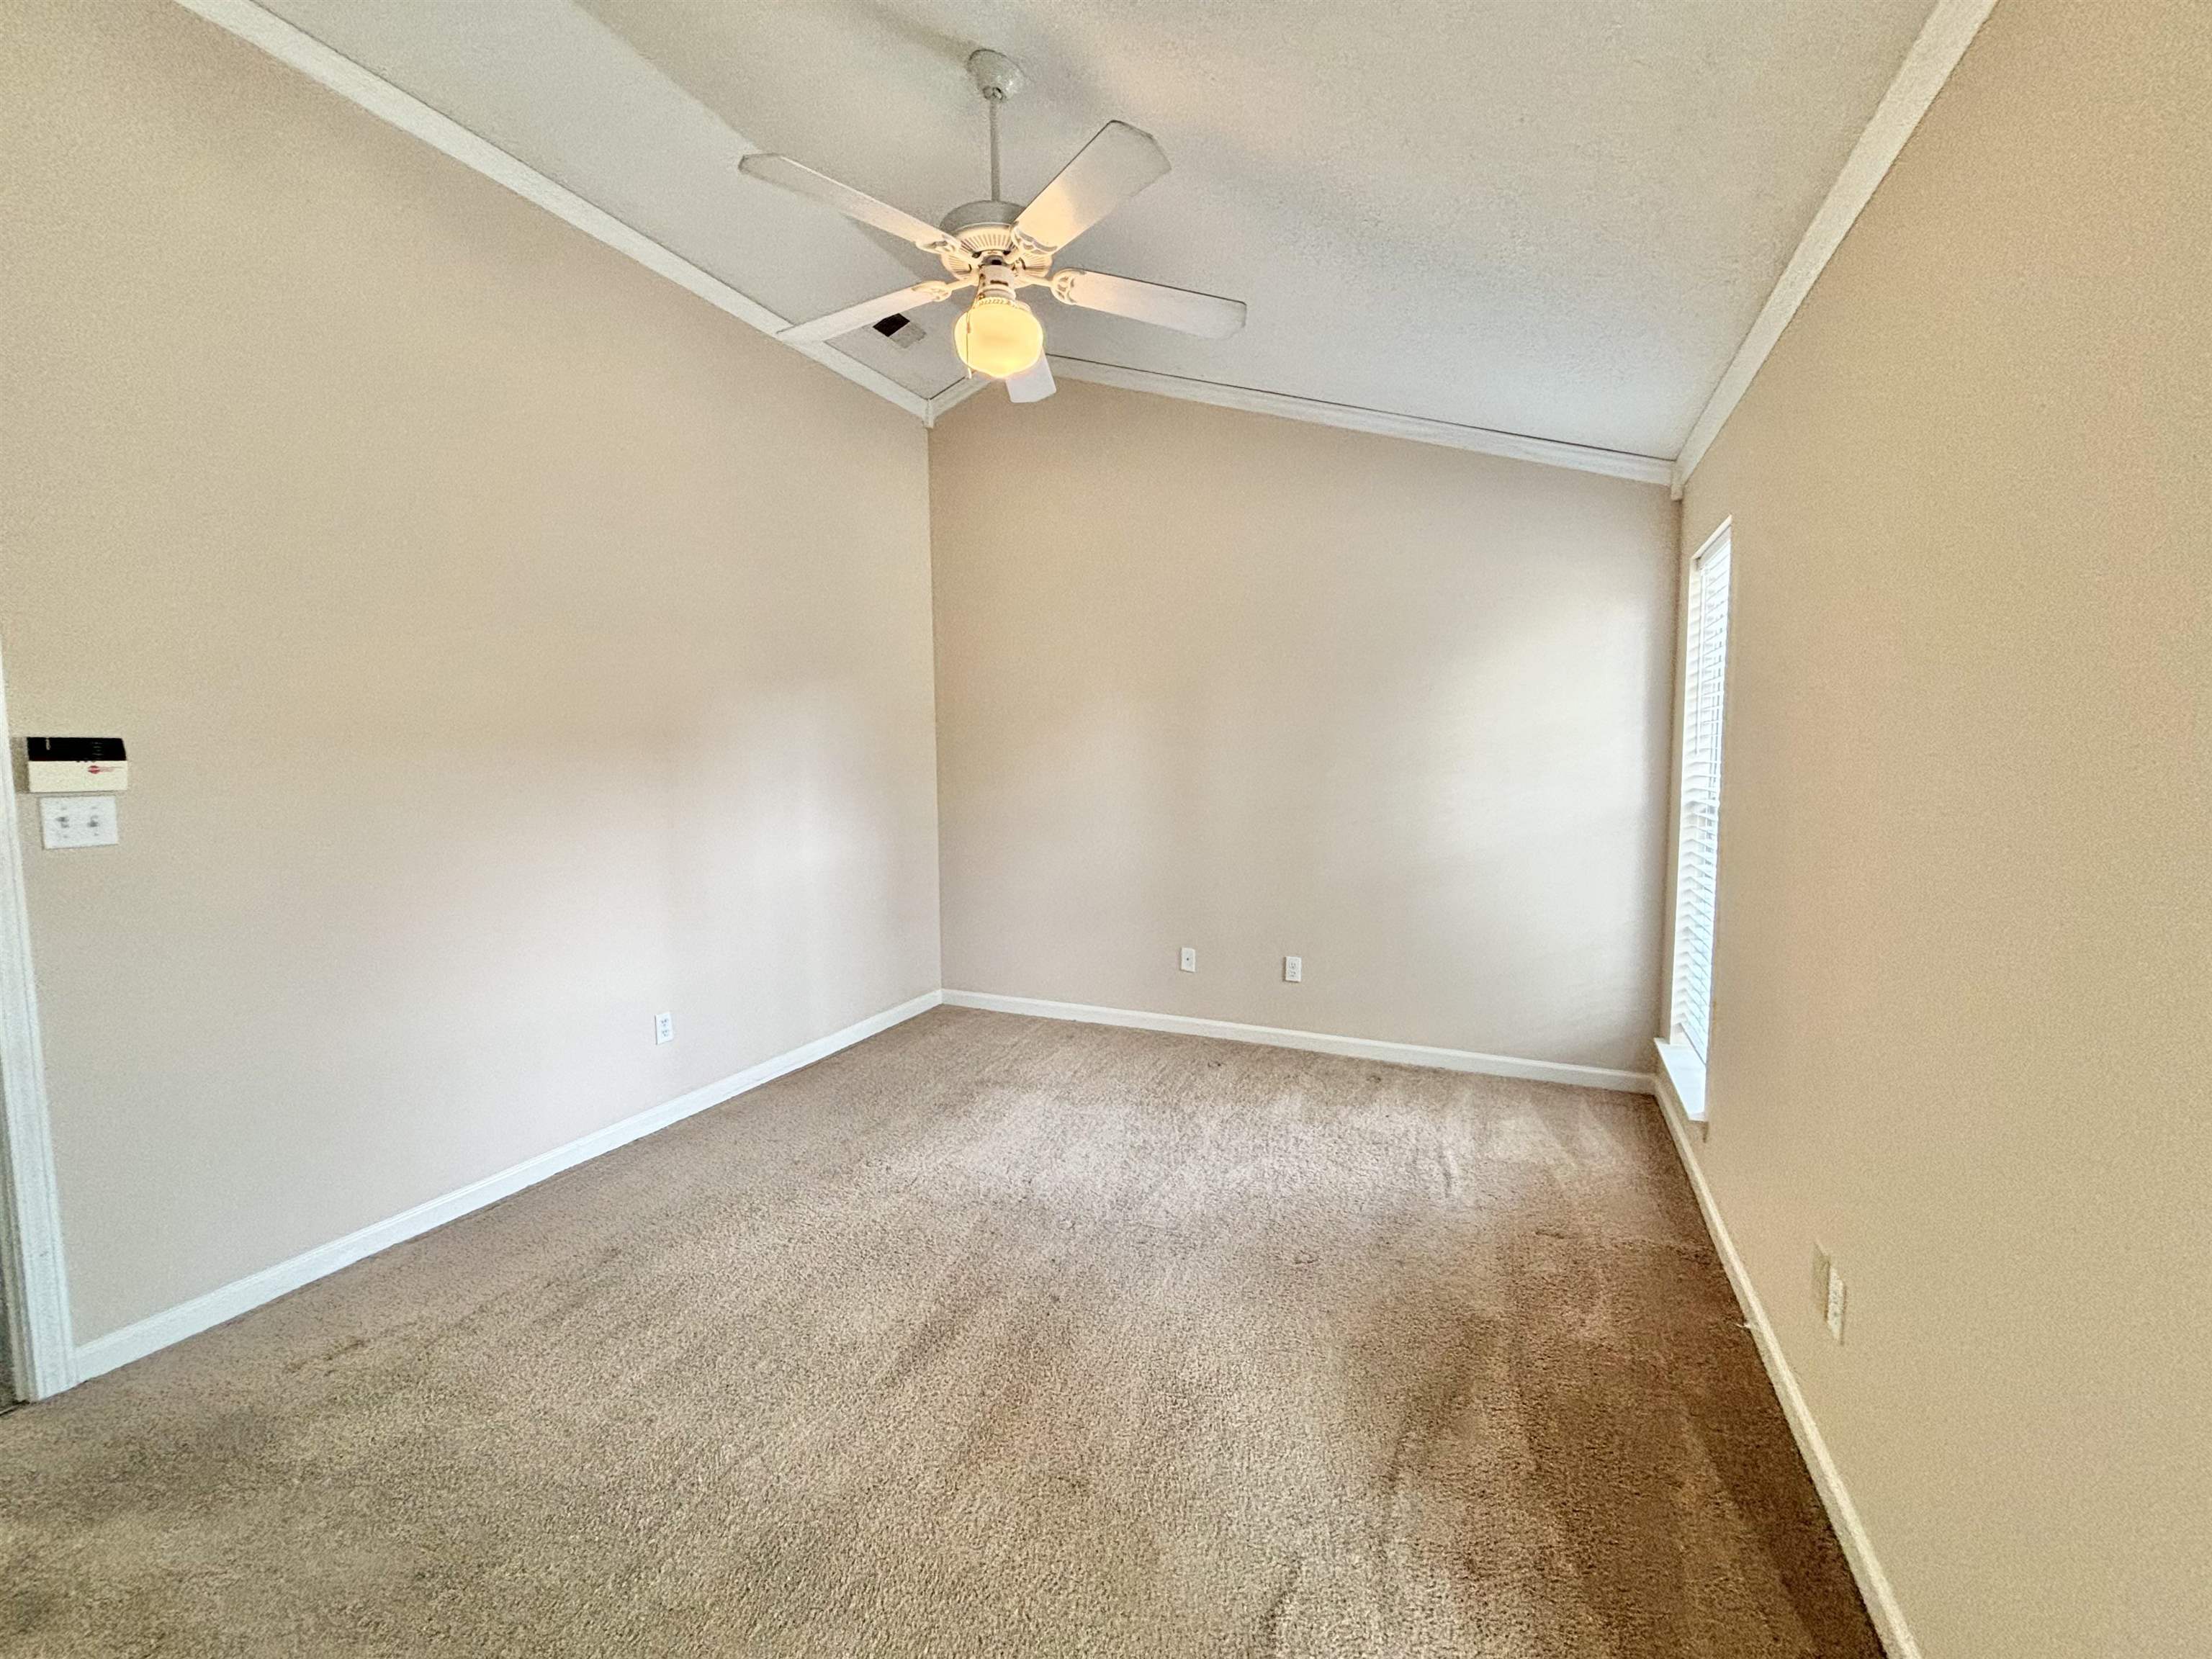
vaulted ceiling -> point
(1556, 219)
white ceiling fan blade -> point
(1117, 163)
(868, 310)
(1032, 385)
(852, 204)
(1208, 315)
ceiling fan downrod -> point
(998, 77)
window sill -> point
(1684, 1074)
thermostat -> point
(75, 766)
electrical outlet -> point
(1294, 970)
(664, 1028)
(1822, 1266)
(1833, 1308)
(1190, 959)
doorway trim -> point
(31, 1277)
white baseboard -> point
(157, 1331)
(160, 1330)
(1880, 1596)
(1275, 1036)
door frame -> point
(41, 1354)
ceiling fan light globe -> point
(998, 336)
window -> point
(1704, 659)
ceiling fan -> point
(999, 248)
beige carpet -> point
(990, 1336)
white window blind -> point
(1705, 668)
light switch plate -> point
(77, 820)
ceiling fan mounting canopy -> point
(998, 248)
(996, 76)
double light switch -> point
(77, 820)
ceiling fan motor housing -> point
(986, 230)
(974, 222)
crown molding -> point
(332, 68)
(1943, 40)
(1950, 27)
(955, 395)
(1482, 440)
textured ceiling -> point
(1550, 218)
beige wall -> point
(1213, 679)
(509, 647)
(1964, 1026)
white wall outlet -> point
(1834, 1308)
(664, 1028)
(77, 820)
(1190, 959)
(1294, 970)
